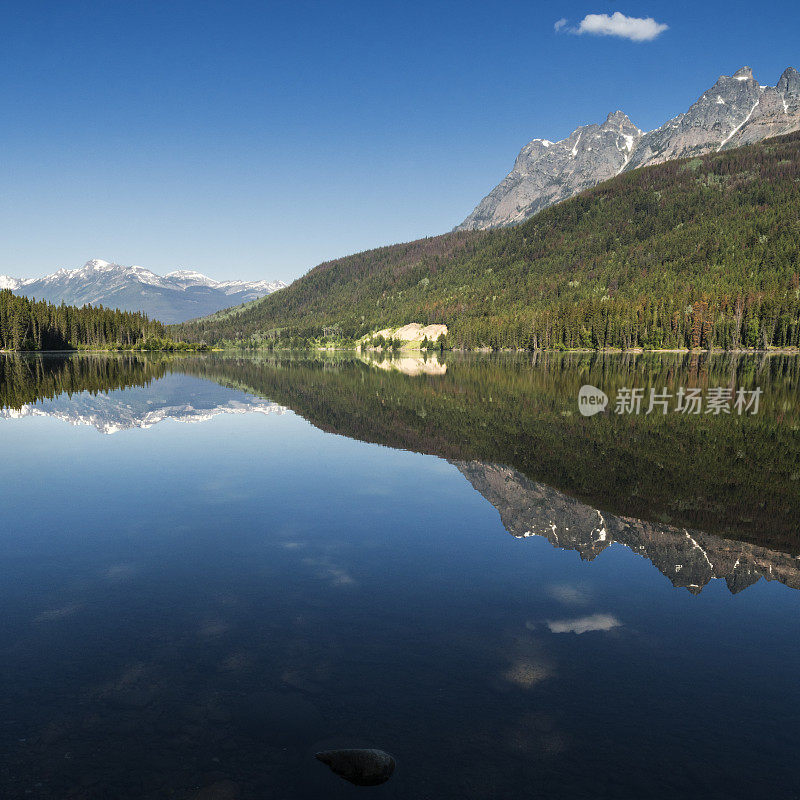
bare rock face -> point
(777, 112)
(413, 332)
(546, 172)
(735, 111)
(707, 125)
(361, 767)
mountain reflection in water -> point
(174, 397)
(690, 559)
(405, 402)
(191, 611)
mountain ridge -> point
(175, 297)
(735, 111)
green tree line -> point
(27, 324)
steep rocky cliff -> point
(735, 111)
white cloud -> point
(594, 622)
(637, 29)
(560, 24)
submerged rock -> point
(361, 767)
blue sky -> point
(255, 139)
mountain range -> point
(175, 297)
(656, 240)
(735, 111)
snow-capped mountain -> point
(187, 278)
(174, 297)
(735, 111)
(6, 282)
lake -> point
(212, 567)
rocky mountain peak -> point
(546, 172)
(618, 120)
(789, 82)
(740, 86)
(735, 111)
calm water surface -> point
(212, 567)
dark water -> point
(211, 568)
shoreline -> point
(784, 351)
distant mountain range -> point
(735, 111)
(175, 297)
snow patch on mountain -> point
(7, 282)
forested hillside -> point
(693, 253)
(29, 325)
